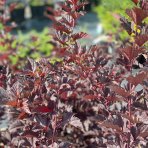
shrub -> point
(74, 103)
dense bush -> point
(89, 99)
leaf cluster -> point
(89, 99)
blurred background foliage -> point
(40, 2)
(108, 12)
(33, 44)
(36, 43)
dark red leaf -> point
(22, 115)
(12, 103)
(111, 125)
(76, 15)
(51, 17)
(43, 109)
(68, 21)
(142, 39)
(73, 2)
(138, 79)
(115, 99)
(144, 134)
(137, 15)
(90, 97)
(81, 5)
(64, 95)
(131, 52)
(30, 134)
(120, 91)
(132, 119)
(52, 86)
(79, 35)
(65, 7)
(135, 1)
(60, 27)
(50, 9)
